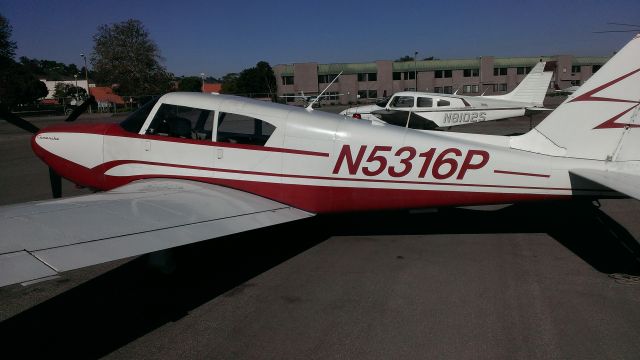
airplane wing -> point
(41, 239)
(621, 182)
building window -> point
(502, 87)
(575, 68)
(443, 74)
(470, 88)
(287, 80)
(326, 79)
(595, 68)
(499, 71)
(437, 89)
(330, 95)
(397, 75)
(409, 75)
(521, 70)
(366, 94)
(471, 72)
(367, 77)
(448, 90)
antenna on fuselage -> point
(310, 106)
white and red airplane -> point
(191, 167)
(422, 110)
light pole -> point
(415, 67)
(202, 77)
(86, 76)
(76, 77)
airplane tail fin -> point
(533, 87)
(600, 120)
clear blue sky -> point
(218, 37)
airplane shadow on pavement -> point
(117, 307)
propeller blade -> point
(17, 121)
(82, 108)
(56, 183)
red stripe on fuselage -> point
(103, 168)
(313, 198)
(520, 173)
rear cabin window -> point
(241, 129)
(182, 122)
(443, 103)
(425, 102)
(402, 101)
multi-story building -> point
(365, 82)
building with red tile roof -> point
(211, 88)
(104, 94)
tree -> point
(405, 58)
(190, 83)
(230, 83)
(7, 47)
(124, 54)
(49, 69)
(255, 81)
(18, 85)
(66, 90)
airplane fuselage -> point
(318, 162)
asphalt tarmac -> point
(540, 281)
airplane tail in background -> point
(600, 120)
(533, 87)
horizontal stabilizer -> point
(40, 239)
(622, 182)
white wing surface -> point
(41, 239)
(622, 182)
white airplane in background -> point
(421, 110)
(566, 91)
(191, 167)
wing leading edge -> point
(42, 239)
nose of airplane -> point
(72, 151)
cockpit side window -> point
(133, 123)
(402, 101)
(241, 129)
(182, 122)
(424, 102)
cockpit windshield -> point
(133, 123)
(383, 102)
(402, 101)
